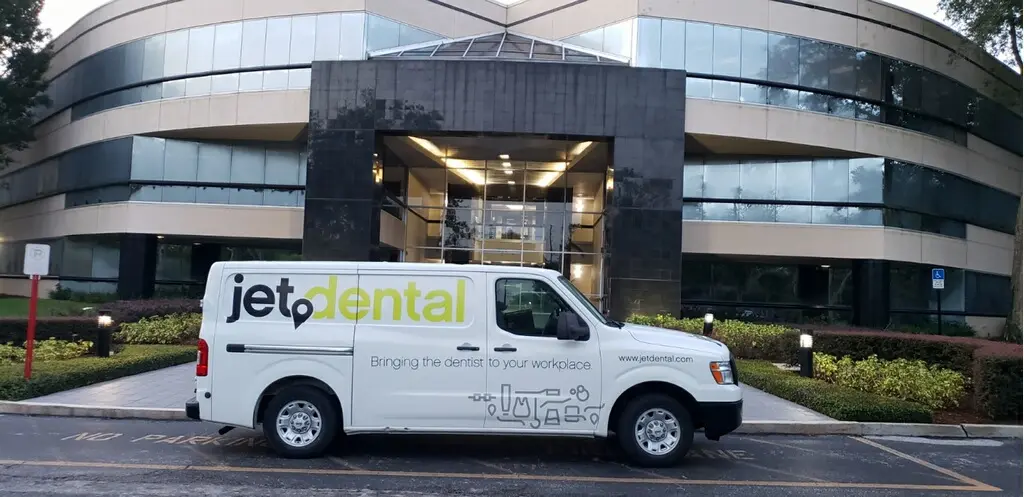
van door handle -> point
(505, 349)
(469, 347)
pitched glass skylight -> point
(500, 45)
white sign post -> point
(938, 284)
(37, 263)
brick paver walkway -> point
(171, 387)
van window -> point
(527, 307)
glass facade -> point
(754, 66)
(863, 191)
(257, 54)
(148, 169)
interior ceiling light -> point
(508, 172)
(503, 156)
(506, 164)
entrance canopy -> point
(502, 46)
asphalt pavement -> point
(41, 456)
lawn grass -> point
(17, 307)
(56, 376)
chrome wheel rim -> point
(299, 423)
(657, 432)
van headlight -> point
(722, 372)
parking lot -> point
(67, 456)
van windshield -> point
(587, 304)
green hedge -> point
(13, 330)
(56, 376)
(173, 329)
(997, 391)
(914, 381)
(841, 403)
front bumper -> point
(721, 418)
(192, 409)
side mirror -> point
(571, 327)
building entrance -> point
(522, 201)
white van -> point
(313, 349)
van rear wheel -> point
(300, 422)
(655, 430)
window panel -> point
(618, 38)
(227, 47)
(181, 161)
(829, 215)
(327, 45)
(795, 214)
(282, 167)
(783, 97)
(299, 79)
(756, 213)
(147, 158)
(247, 165)
(195, 87)
(408, 35)
(381, 33)
(754, 61)
(794, 180)
(134, 62)
(212, 195)
(719, 211)
(172, 89)
(245, 196)
(353, 42)
(866, 178)
(224, 83)
(250, 81)
(200, 49)
(673, 44)
(700, 40)
(698, 88)
(254, 43)
(693, 180)
(648, 43)
(814, 63)
(693, 211)
(153, 66)
(725, 90)
(179, 194)
(175, 53)
(831, 180)
(279, 32)
(281, 198)
(842, 74)
(303, 39)
(753, 94)
(214, 163)
(869, 75)
(526, 307)
(727, 43)
(721, 180)
(757, 180)
(275, 80)
(783, 59)
(865, 216)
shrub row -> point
(991, 367)
(57, 376)
(45, 350)
(173, 329)
(76, 328)
(839, 402)
(914, 381)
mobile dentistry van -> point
(313, 349)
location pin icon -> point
(302, 309)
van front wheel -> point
(300, 422)
(655, 430)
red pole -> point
(31, 335)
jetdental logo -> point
(352, 303)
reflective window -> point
(200, 49)
(757, 180)
(175, 53)
(214, 163)
(648, 43)
(327, 45)
(783, 59)
(727, 51)
(381, 33)
(248, 165)
(227, 48)
(866, 179)
(700, 42)
(353, 37)
(279, 33)
(794, 180)
(303, 39)
(673, 44)
(842, 73)
(830, 180)
(147, 158)
(814, 63)
(181, 160)
(254, 42)
(754, 62)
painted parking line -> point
(968, 484)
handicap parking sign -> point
(938, 278)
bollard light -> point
(806, 355)
(709, 324)
(104, 321)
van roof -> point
(392, 266)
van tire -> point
(657, 410)
(307, 404)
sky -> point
(59, 15)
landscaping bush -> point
(167, 330)
(56, 376)
(747, 340)
(130, 311)
(915, 381)
(839, 402)
(997, 391)
(956, 353)
(45, 350)
(13, 330)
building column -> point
(137, 266)
(871, 293)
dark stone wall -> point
(640, 110)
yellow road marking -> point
(491, 476)
(980, 486)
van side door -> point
(536, 382)
(419, 351)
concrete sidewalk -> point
(172, 387)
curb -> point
(80, 411)
(754, 427)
